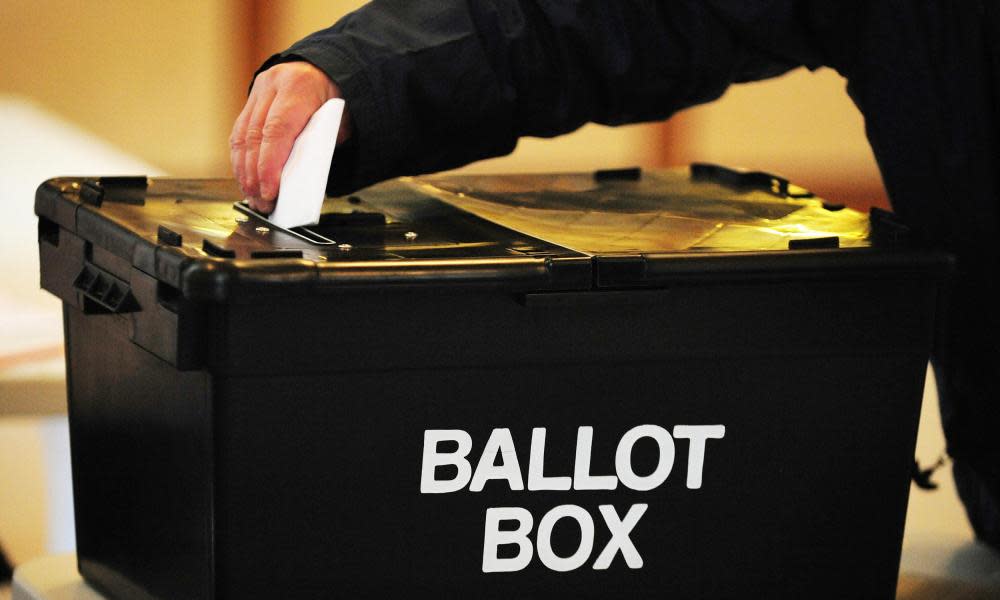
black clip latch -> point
(127, 189)
(757, 180)
(627, 174)
(92, 193)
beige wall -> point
(291, 21)
(803, 121)
(22, 491)
(802, 125)
(160, 79)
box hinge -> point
(103, 293)
(619, 271)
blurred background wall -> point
(163, 81)
(158, 79)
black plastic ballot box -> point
(695, 383)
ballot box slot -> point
(302, 233)
(353, 228)
(342, 230)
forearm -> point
(434, 85)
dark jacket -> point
(437, 84)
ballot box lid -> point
(607, 229)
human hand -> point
(281, 101)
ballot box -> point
(699, 383)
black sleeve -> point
(435, 85)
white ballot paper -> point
(303, 180)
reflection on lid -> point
(664, 211)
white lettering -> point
(623, 457)
(494, 538)
(696, 452)
(501, 445)
(620, 539)
(536, 466)
(582, 479)
(429, 484)
(549, 558)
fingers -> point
(237, 141)
(281, 102)
(286, 120)
(254, 136)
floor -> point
(940, 558)
(911, 587)
(914, 587)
